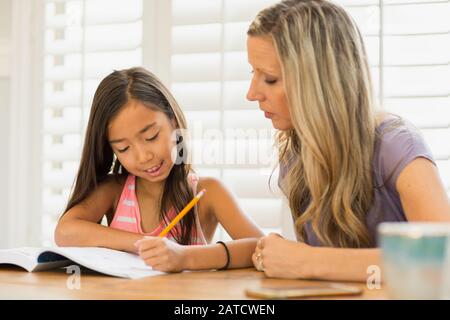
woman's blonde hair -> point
(329, 151)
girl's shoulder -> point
(115, 180)
(209, 183)
(105, 195)
(214, 189)
(114, 184)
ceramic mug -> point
(416, 259)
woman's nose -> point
(253, 94)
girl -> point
(133, 170)
(343, 167)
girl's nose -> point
(144, 156)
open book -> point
(107, 261)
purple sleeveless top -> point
(396, 146)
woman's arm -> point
(79, 226)
(218, 204)
(283, 258)
(423, 198)
(422, 192)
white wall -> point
(5, 21)
(5, 35)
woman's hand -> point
(162, 254)
(281, 258)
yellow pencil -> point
(182, 213)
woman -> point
(344, 167)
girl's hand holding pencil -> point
(162, 254)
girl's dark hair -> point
(98, 161)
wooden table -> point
(16, 283)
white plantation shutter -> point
(84, 41)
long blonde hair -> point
(329, 151)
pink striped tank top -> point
(127, 216)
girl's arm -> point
(222, 206)
(423, 198)
(79, 226)
(216, 205)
